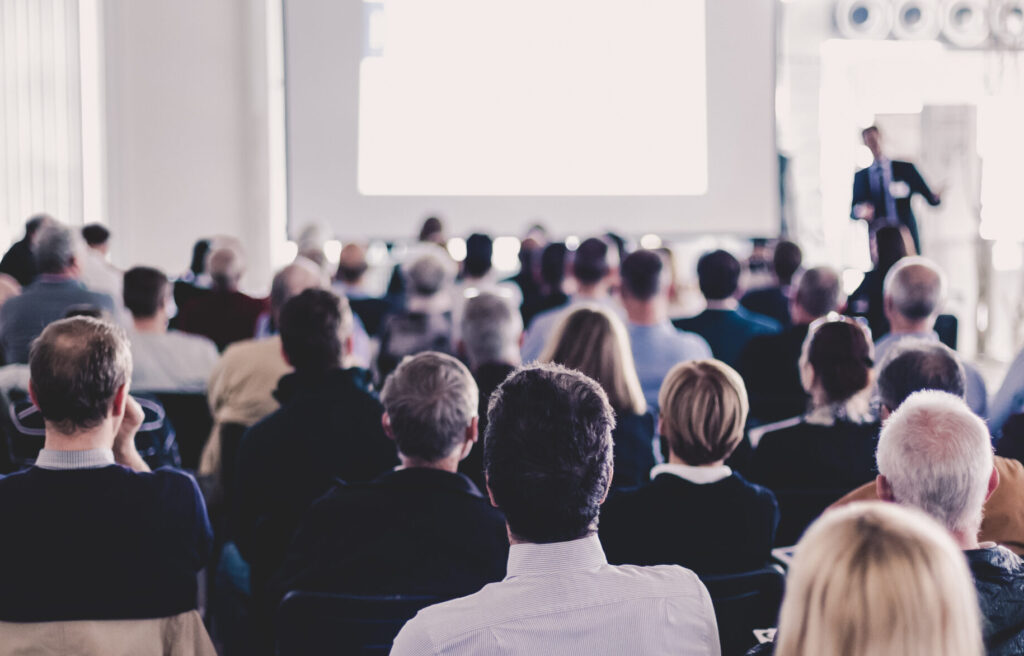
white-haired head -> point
(936, 455)
(914, 290)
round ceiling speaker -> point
(965, 23)
(916, 19)
(1007, 22)
(864, 19)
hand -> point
(125, 452)
(864, 211)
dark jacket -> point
(225, 317)
(411, 531)
(634, 449)
(901, 172)
(728, 331)
(771, 302)
(19, 262)
(770, 366)
(868, 301)
(715, 528)
(999, 578)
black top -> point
(488, 377)
(634, 449)
(728, 331)
(770, 366)
(999, 578)
(100, 544)
(19, 262)
(771, 302)
(411, 531)
(868, 301)
(715, 528)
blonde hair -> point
(877, 579)
(703, 407)
(594, 341)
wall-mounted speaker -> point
(864, 19)
(1006, 19)
(965, 23)
(916, 19)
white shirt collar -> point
(88, 459)
(698, 475)
(531, 559)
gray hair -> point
(431, 398)
(427, 274)
(916, 286)
(491, 330)
(56, 248)
(937, 456)
(818, 291)
(289, 282)
(915, 365)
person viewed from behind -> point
(225, 315)
(349, 281)
(196, 280)
(19, 261)
(551, 277)
(695, 512)
(98, 274)
(592, 340)
(868, 299)
(548, 455)
(774, 301)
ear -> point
(807, 376)
(472, 436)
(884, 411)
(120, 399)
(883, 489)
(348, 346)
(887, 307)
(661, 425)
(385, 422)
(993, 483)
(522, 338)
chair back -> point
(947, 328)
(1011, 444)
(744, 602)
(189, 414)
(798, 508)
(321, 623)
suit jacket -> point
(716, 528)
(410, 531)
(901, 172)
(770, 368)
(728, 331)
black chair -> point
(190, 416)
(321, 623)
(744, 602)
(947, 328)
(798, 508)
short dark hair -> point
(145, 291)
(718, 274)
(36, 222)
(311, 324)
(95, 234)
(590, 264)
(786, 261)
(552, 264)
(431, 226)
(840, 354)
(479, 252)
(548, 452)
(915, 365)
(818, 291)
(870, 128)
(76, 367)
(200, 250)
(641, 274)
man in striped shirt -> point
(548, 460)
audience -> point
(19, 261)
(935, 455)
(549, 293)
(773, 301)
(97, 272)
(656, 344)
(725, 324)
(165, 360)
(225, 315)
(593, 341)
(57, 288)
(770, 363)
(420, 529)
(696, 512)
(868, 300)
(548, 455)
(196, 281)
(349, 282)
(914, 291)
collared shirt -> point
(659, 347)
(564, 598)
(883, 169)
(87, 459)
(698, 475)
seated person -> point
(165, 360)
(89, 532)
(548, 455)
(773, 301)
(420, 529)
(696, 512)
(224, 314)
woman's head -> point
(835, 364)
(703, 408)
(877, 579)
(594, 341)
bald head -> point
(914, 289)
(226, 268)
(297, 277)
(817, 294)
(352, 264)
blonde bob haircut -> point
(593, 341)
(878, 579)
(703, 407)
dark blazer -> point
(770, 368)
(868, 301)
(634, 449)
(901, 172)
(19, 262)
(411, 531)
(999, 578)
(715, 528)
(728, 331)
(771, 302)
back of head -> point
(479, 252)
(431, 398)
(352, 264)
(548, 452)
(95, 234)
(432, 230)
(703, 407)
(225, 268)
(291, 281)
(642, 272)
(890, 246)
(314, 326)
(915, 286)
(145, 291)
(937, 457)
(427, 275)
(874, 579)
(718, 274)
(591, 263)
(786, 261)
(77, 366)
(200, 253)
(35, 223)
(491, 330)
(840, 354)
(818, 291)
(552, 264)
(56, 248)
(915, 365)
(592, 340)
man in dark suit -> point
(726, 325)
(882, 192)
(420, 529)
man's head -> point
(352, 264)
(643, 276)
(491, 331)
(592, 262)
(703, 411)
(35, 224)
(289, 282)
(57, 250)
(816, 295)
(915, 365)
(430, 409)
(934, 454)
(146, 292)
(718, 274)
(873, 140)
(786, 261)
(427, 275)
(316, 331)
(97, 237)
(548, 452)
(80, 370)
(913, 290)
(479, 251)
(226, 267)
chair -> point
(744, 602)
(947, 328)
(798, 508)
(190, 416)
(315, 623)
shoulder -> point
(188, 340)
(779, 430)
(757, 492)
